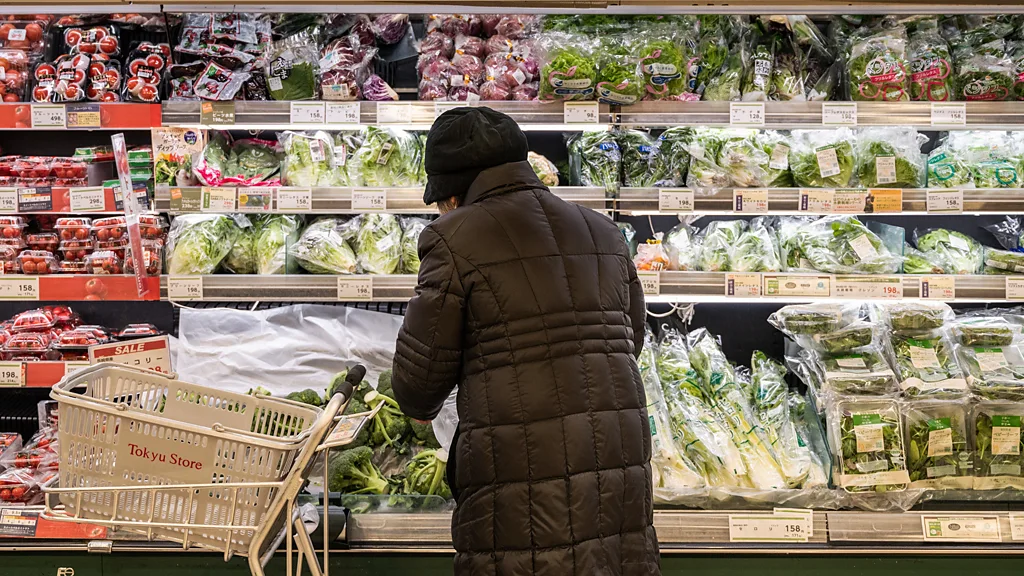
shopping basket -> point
(144, 452)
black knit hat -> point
(464, 142)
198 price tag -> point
(11, 374)
(949, 114)
(817, 201)
(8, 199)
(19, 288)
(580, 112)
(943, 201)
(750, 200)
(294, 199)
(651, 282)
(876, 287)
(49, 116)
(216, 199)
(355, 288)
(394, 113)
(839, 113)
(746, 113)
(87, 199)
(675, 200)
(185, 288)
(938, 288)
(370, 199)
(343, 112)
(746, 285)
(307, 113)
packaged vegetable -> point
(913, 317)
(878, 66)
(958, 253)
(411, 229)
(1003, 262)
(818, 318)
(388, 157)
(378, 243)
(855, 335)
(197, 243)
(997, 442)
(651, 256)
(544, 169)
(595, 159)
(724, 86)
(771, 402)
(292, 68)
(681, 247)
(837, 245)
(703, 148)
(642, 164)
(673, 144)
(309, 159)
(939, 455)
(321, 249)
(947, 168)
(758, 70)
(867, 439)
(930, 66)
(993, 372)
(619, 81)
(787, 80)
(927, 366)
(569, 71)
(890, 158)
(822, 158)
(861, 371)
(982, 331)
(984, 77)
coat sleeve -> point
(637, 309)
(428, 354)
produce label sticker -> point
(651, 282)
(746, 114)
(869, 287)
(959, 243)
(743, 285)
(938, 288)
(940, 437)
(949, 114)
(343, 112)
(868, 430)
(87, 199)
(785, 285)
(581, 113)
(1006, 435)
(828, 161)
(1014, 285)
(217, 199)
(779, 159)
(780, 526)
(945, 201)
(186, 199)
(885, 169)
(1016, 526)
(849, 201)
(750, 201)
(369, 199)
(863, 247)
(990, 359)
(8, 200)
(884, 200)
(83, 115)
(922, 354)
(307, 113)
(852, 362)
(18, 287)
(11, 374)
(817, 201)
(347, 428)
(147, 353)
(675, 200)
(394, 113)
(886, 478)
(839, 113)
(294, 199)
(355, 288)
(184, 287)
(255, 199)
(38, 199)
(218, 113)
(49, 116)
(961, 528)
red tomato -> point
(5, 30)
(113, 78)
(103, 234)
(97, 69)
(45, 71)
(110, 97)
(34, 32)
(93, 93)
(81, 234)
(135, 84)
(154, 61)
(11, 97)
(148, 93)
(72, 92)
(41, 94)
(108, 45)
(72, 37)
(28, 267)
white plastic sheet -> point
(284, 349)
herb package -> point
(867, 440)
(861, 371)
(999, 458)
(939, 455)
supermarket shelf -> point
(79, 116)
(789, 115)
(36, 374)
(409, 114)
(293, 288)
(75, 288)
(908, 527)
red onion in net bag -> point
(488, 22)
(470, 46)
(390, 28)
(525, 92)
(470, 66)
(363, 29)
(464, 94)
(498, 45)
(375, 88)
(513, 25)
(455, 24)
(437, 44)
(495, 90)
(432, 90)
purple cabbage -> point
(390, 28)
(375, 88)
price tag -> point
(839, 113)
(218, 199)
(780, 526)
(442, 107)
(49, 116)
(746, 113)
(307, 113)
(675, 200)
(343, 112)
(1017, 526)
(750, 201)
(218, 113)
(743, 285)
(961, 528)
(184, 287)
(294, 199)
(19, 288)
(868, 287)
(938, 288)
(797, 285)
(87, 200)
(8, 200)
(884, 201)
(72, 367)
(84, 116)
(581, 112)
(148, 353)
(1015, 287)
(11, 374)
(817, 201)
(355, 288)
(255, 199)
(949, 114)
(394, 113)
(849, 202)
(945, 201)
(369, 199)
(651, 282)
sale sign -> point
(147, 353)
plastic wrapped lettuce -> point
(663, 63)
(917, 262)
(947, 168)
(938, 453)
(927, 366)
(742, 158)
(595, 159)
(838, 245)
(276, 233)
(890, 158)
(822, 158)
(378, 243)
(958, 253)
(619, 80)
(346, 143)
(755, 250)
(309, 159)
(724, 86)
(984, 77)
(388, 157)
(867, 439)
(877, 67)
(322, 249)
(197, 243)
(242, 257)
(999, 445)
(411, 229)
(776, 146)
(682, 247)
(788, 76)
(704, 171)
(674, 147)
(991, 157)
(642, 164)
(570, 70)
(717, 243)
(712, 52)
(993, 372)
(930, 68)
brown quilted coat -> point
(532, 307)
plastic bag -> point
(651, 256)
(663, 63)
(704, 171)
(981, 331)
(388, 157)
(595, 159)
(984, 78)
(771, 401)
(835, 244)
(344, 66)
(877, 67)
(993, 372)
(308, 159)
(196, 243)
(930, 66)
(861, 371)
(1003, 262)
(321, 249)
(913, 317)
(798, 320)
(674, 147)
(545, 169)
(411, 229)
(939, 455)
(757, 76)
(822, 158)
(744, 160)
(947, 168)
(927, 366)
(292, 68)
(998, 445)
(717, 242)
(682, 247)
(867, 439)
(957, 253)
(378, 244)
(276, 234)
(642, 165)
(890, 158)
(569, 71)
(619, 80)
(788, 76)
(724, 85)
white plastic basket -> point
(212, 462)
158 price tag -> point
(675, 200)
(343, 112)
(355, 288)
(49, 116)
(951, 114)
(19, 288)
(371, 199)
(746, 113)
(185, 288)
(294, 199)
(839, 113)
(784, 525)
(10, 374)
(580, 112)
(943, 201)
(307, 113)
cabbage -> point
(275, 235)
(378, 243)
(242, 257)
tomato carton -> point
(38, 262)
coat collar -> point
(502, 179)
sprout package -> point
(939, 454)
(867, 440)
(999, 459)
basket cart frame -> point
(121, 399)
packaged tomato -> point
(134, 331)
(103, 262)
(70, 172)
(73, 228)
(72, 74)
(14, 75)
(23, 35)
(114, 228)
(27, 343)
(94, 40)
(37, 262)
(76, 249)
(47, 241)
(152, 251)
(72, 267)
(61, 314)
(9, 441)
(11, 226)
(144, 69)
(105, 81)
(83, 336)
(152, 226)
(18, 485)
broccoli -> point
(307, 396)
(352, 472)
(424, 474)
(423, 432)
(389, 425)
(259, 391)
(332, 388)
(384, 384)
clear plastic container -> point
(152, 226)
(11, 226)
(48, 241)
(30, 343)
(72, 267)
(38, 262)
(103, 262)
(63, 315)
(73, 228)
(110, 229)
(83, 336)
(76, 249)
(32, 321)
(133, 331)
(152, 251)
